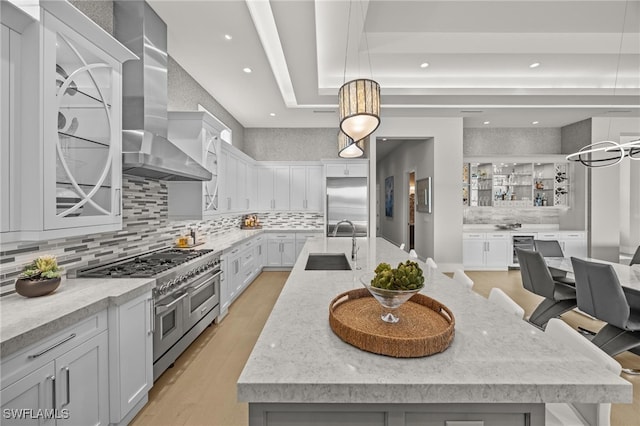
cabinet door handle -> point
(67, 371)
(53, 390)
(55, 345)
(118, 202)
(152, 318)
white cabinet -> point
(197, 133)
(260, 253)
(252, 188)
(305, 190)
(131, 356)
(301, 239)
(67, 372)
(281, 251)
(488, 251)
(237, 179)
(70, 124)
(573, 243)
(352, 168)
(273, 188)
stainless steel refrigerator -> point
(347, 198)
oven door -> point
(169, 323)
(202, 296)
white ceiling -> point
(478, 52)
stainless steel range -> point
(186, 296)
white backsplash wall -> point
(145, 227)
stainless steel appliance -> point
(521, 241)
(146, 151)
(347, 200)
(186, 296)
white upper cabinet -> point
(66, 133)
(236, 180)
(350, 168)
(273, 188)
(305, 191)
(197, 133)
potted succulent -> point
(40, 277)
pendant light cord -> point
(346, 50)
(615, 82)
(366, 40)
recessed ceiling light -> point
(273, 114)
(534, 65)
(534, 122)
(247, 70)
(424, 65)
(384, 139)
(227, 37)
(487, 122)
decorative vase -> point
(35, 288)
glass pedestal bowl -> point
(390, 300)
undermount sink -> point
(327, 262)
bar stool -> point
(462, 278)
(635, 260)
(501, 299)
(573, 413)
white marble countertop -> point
(525, 228)
(494, 357)
(27, 320)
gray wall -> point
(576, 136)
(408, 156)
(184, 92)
(286, 144)
(508, 141)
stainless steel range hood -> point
(146, 151)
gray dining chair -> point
(551, 248)
(558, 298)
(635, 260)
(600, 294)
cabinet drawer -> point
(473, 236)
(498, 236)
(547, 235)
(572, 235)
(302, 236)
(281, 236)
(38, 354)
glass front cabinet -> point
(197, 133)
(515, 184)
(69, 148)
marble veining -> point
(494, 357)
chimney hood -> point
(146, 151)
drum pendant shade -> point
(347, 148)
(359, 105)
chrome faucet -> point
(353, 236)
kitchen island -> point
(498, 369)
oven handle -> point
(163, 308)
(207, 281)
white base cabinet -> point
(572, 243)
(66, 376)
(281, 250)
(131, 355)
(485, 251)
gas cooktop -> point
(146, 265)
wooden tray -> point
(426, 326)
(250, 227)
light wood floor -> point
(201, 388)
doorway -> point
(411, 202)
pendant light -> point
(347, 148)
(358, 100)
(607, 152)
